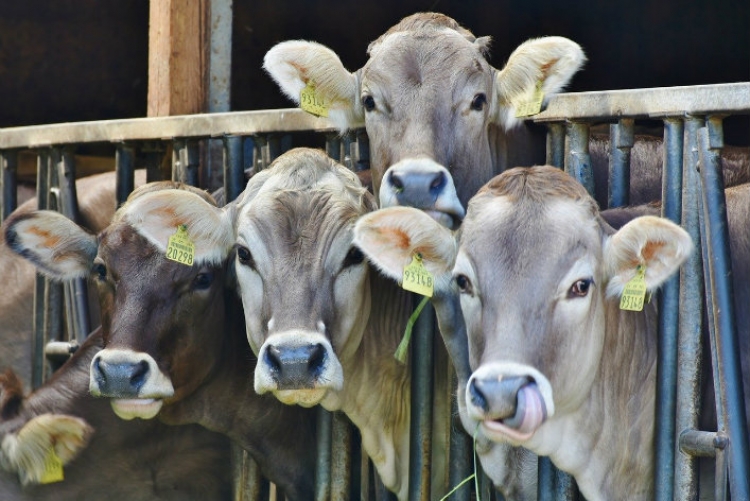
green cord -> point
(403, 346)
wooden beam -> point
(178, 57)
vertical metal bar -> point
(578, 159)
(690, 353)
(728, 351)
(545, 479)
(420, 434)
(177, 146)
(273, 147)
(38, 340)
(341, 457)
(461, 450)
(362, 162)
(69, 205)
(153, 154)
(234, 174)
(9, 159)
(565, 486)
(125, 172)
(556, 145)
(621, 141)
(333, 146)
(669, 303)
(249, 484)
(323, 466)
(190, 162)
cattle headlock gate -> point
(693, 196)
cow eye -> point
(368, 102)
(477, 104)
(99, 270)
(580, 288)
(245, 257)
(203, 281)
(353, 257)
(464, 284)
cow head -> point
(538, 270)
(431, 104)
(159, 317)
(304, 287)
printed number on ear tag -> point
(533, 105)
(634, 294)
(180, 248)
(53, 468)
(311, 102)
(416, 278)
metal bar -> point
(420, 429)
(153, 153)
(333, 146)
(362, 161)
(702, 443)
(643, 103)
(234, 173)
(689, 357)
(730, 371)
(621, 141)
(556, 144)
(125, 172)
(565, 487)
(249, 484)
(341, 457)
(272, 147)
(461, 450)
(323, 465)
(578, 160)
(545, 479)
(668, 321)
(9, 159)
(38, 324)
(190, 163)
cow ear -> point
(391, 237)
(651, 242)
(295, 63)
(549, 61)
(57, 246)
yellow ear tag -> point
(416, 278)
(532, 106)
(311, 102)
(53, 468)
(180, 248)
(635, 291)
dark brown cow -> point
(174, 339)
(104, 456)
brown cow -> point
(558, 366)
(102, 455)
(96, 198)
(173, 347)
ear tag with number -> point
(180, 248)
(533, 105)
(312, 102)
(53, 468)
(634, 294)
(416, 278)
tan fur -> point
(25, 452)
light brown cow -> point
(325, 327)
(438, 116)
(558, 367)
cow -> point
(174, 342)
(441, 121)
(96, 199)
(557, 366)
(100, 455)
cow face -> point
(304, 286)
(162, 321)
(431, 104)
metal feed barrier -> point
(692, 196)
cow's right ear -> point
(57, 246)
(295, 64)
(390, 238)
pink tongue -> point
(532, 404)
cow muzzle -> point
(423, 184)
(509, 401)
(132, 380)
(299, 367)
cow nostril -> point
(139, 374)
(317, 358)
(477, 397)
(438, 182)
(272, 358)
(397, 183)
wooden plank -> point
(178, 57)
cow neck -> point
(615, 426)
(377, 388)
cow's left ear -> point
(390, 238)
(655, 243)
(544, 64)
(296, 64)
